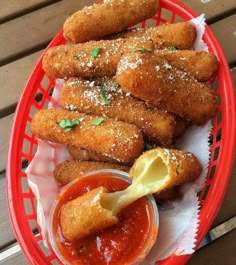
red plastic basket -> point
(22, 146)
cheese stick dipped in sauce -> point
(154, 171)
(85, 96)
(181, 35)
(91, 59)
(115, 245)
(160, 84)
(112, 16)
(117, 139)
(90, 215)
(67, 171)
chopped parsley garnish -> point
(104, 97)
(173, 48)
(95, 52)
(97, 122)
(67, 124)
(141, 49)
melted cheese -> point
(150, 176)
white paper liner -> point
(178, 221)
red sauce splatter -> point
(120, 244)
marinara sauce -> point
(123, 243)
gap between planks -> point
(35, 30)
(12, 9)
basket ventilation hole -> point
(55, 262)
(218, 135)
(216, 153)
(45, 250)
(212, 172)
(45, 82)
(28, 206)
(205, 192)
(33, 225)
(151, 22)
(166, 15)
(24, 185)
(219, 117)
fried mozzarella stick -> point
(87, 97)
(92, 59)
(91, 216)
(180, 167)
(181, 35)
(112, 16)
(162, 85)
(67, 171)
(199, 64)
(116, 139)
(90, 155)
(153, 172)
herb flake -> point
(97, 122)
(104, 97)
(173, 48)
(95, 51)
(142, 49)
(67, 124)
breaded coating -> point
(112, 16)
(90, 155)
(67, 171)
(181, 35)
(160, 84)
(180, 167)
(92, 59)
(85, 215)
(200, 65)
(85, 96)
(116, 139)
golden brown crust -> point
(85, 96)
(90, 155)
(160, 84)
(181, 35)
(85, 215)
(76, 60)
(182, 166)
(117, 139)
(200, 65)
(112, 16)
(67, 171)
